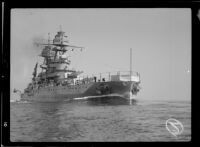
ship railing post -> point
(92, 79)
(100, 77)
(87, 78)
(109, 77)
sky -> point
(160, 39)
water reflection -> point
(46, 120)
(104, 119)
(62, 121)
(110, 101)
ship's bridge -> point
(60, 39)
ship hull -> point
(125, 89)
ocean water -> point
(101, 120)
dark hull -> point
(125, 89)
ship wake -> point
(99, 96)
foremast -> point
(55, 68)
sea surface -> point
(98, 120)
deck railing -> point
(109, 76)
(100, 77)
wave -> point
(99, 96)
(14, 100)
(23, 102)
(19, 101)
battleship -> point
(57, 81)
